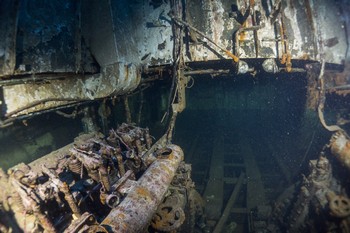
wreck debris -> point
(127, 110)
(86, 223)
(177, 98)
(142, 201)
(322, 100)
(102, 185)
(228, 53)
(243, 67)
(219, 226)
(340, 147)
(286, 55)
(170, 214)
(338, 205)
(320, 202)
(270, 66)
(65, 189)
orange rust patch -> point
(143, 192)
(305, 56)
(121, 216)
(171, 156)
(243, 34)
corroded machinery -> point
(119, 183)
(320, 202)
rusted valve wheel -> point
(168, 218)
(340, 206)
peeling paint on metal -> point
(213, 20)
(114, 79)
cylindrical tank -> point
(135, 212)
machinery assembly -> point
(103, 184)
(159, 116)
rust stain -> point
(143, 192)
(309, 15)
(305, 56)
(121, 216)
(242, 35)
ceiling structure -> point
(64, 53)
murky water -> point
(33, 138)
(256, 126)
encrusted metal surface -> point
(84, 187)
(340, 147)
(330, 20)
(128, 31)
(118, 78)
(44, 40)
(258, 31)
(107, 36)
(43, 37)
(8, 29)
(138, 207)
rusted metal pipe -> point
(70, 200)
(104, 177)
(65, 189)
(121, 167)
(135, 212)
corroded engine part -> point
(321, 204)
(338, 205)
(312, 194)
(143, 200)
(86, 223)
(170, 214)
(94, 180)
(340, 147)
(182, 210)
(10, 202)
(132, 137)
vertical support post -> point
(127, 110)
(178, 103)
(88, 121)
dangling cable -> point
(177, 96)
(322, 100)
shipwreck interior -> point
(174, 116)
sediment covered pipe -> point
(340, 147)
(135, 212)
